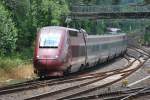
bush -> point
(8, 32)
(8, 63)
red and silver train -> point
(60, 50)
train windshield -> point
(49, 40)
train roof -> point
(106, 35)
(60, 28)
(56, 28)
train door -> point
(69, 53)
(73, 49)
(77, 49)
(84, 37)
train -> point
(61, 50)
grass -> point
(8, 63)
(15, 69)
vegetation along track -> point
(101, 81)
(34, 84)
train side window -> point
(124, 37)
(73, 33)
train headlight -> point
(56, 56)
(37, 56)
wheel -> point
(108, 58)
(41, 75)
(82, 67)
(67, 71)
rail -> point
(92, 79)
(84, 89)
(33, 84)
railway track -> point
(78, 89)
(34, 84)
(118, 95)
(83, 88)
(37, 83)
(129, 94)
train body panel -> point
(78, 54)
(60, 49)
(50, 51)
(102, 48)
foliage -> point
(8, 32)
(21, 18)
(56, 8)
(7, 63)
(32, 14)
(147, 35)
(147, 1)
(147, 38)
(99, 26)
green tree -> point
(8, 32)
(32, 14)
(147, 1)
(21, 10)
(147, 35)
(115, 2)
(53, 10)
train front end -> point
(47, 56)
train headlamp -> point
(56, 56)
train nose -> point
(51, 57)
(49, 63)
(49, 67)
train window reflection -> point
(73, 33)
(49, 40)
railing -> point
(110, 9)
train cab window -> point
(73, 33)
(49, 40)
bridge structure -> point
(110, 11)
(130, 18)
